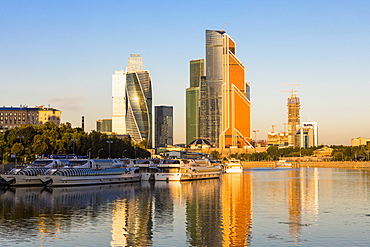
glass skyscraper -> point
(224, 106)
(192, 100)
(132, 101)
(163, 126)
(139, 106)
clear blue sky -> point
(63, 54)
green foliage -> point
(27, 141)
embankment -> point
(332, 164)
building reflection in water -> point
(303, 200)
(237, 209)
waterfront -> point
(261, 207)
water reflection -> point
(260, 207)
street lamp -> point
(74, 142)
(124, 151)
(88, 153)
(99, 152)
(109, 142)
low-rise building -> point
(359, 141)
(11, 117)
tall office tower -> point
(192, 100)
(309, 135)
(135, 63)
(294, 119)
(119, 102)
(225, 108)
(163, 126)
(139, 106)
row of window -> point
(17, 114)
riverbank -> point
(331, 164)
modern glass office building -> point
(139, 106)
(224, 106)
(119, 102)
(163, 126)
(192, 100)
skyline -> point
(64, 54)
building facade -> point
(192, 100)
(294, 120)
(224, 106)
(104, 126)
(309, 134)
(11, 117)
(119, 102)
(163, 126)
(139, 106)
(359, 141)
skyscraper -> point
(225, 108)
(192, 100)
(309, 134)
(119, 102)
(132, 101)
(294, 119)
(163, 126)
(139, 106)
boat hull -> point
(234, 170)
(55, 180)
(185, 176)
(21, 180)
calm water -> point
(261, 207)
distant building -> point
(11, 117)
(359, 141)
(139, 106)
(309, 134)
(163, 126)
(119, 102)
(279, 139)
(323, 152)
(104, 126)
(294, 119)
(192, 99)
(224, 106)
(132, 101)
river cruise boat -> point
(232, 166)
(147, 168)
(89, 172)
(186, 169)
(283, 163)
(29, 174)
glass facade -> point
(192, 100)
(163, 126)
(139, 106)
(119, 102)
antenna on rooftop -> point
(223, 28)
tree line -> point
(23, 144)
(273, 153)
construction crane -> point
(293, 91)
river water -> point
(261, 207)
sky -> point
(63, 54)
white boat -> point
(283, 163)
(29, 174)
(147, 168)
(90, 172)
(183, 169)
(233, 166)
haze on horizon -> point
(63, 54)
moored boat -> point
(29, 174)
(232, 166)
(147, 168)
(183, 169)
(90, 172)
